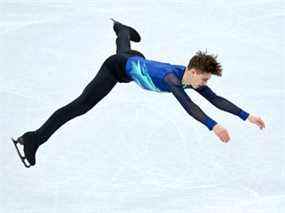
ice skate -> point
(30, 142)
(134, 35)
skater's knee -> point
(82, 104)
(84, 109)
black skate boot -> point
(134, 35)
(30, 141)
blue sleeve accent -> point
(243, 115)
(210, 123)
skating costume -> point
(164, 77)
(125, 66)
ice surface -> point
(139, 151)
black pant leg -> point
(123, 43)
(95, 91)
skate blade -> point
(114, 21)
(23, 158)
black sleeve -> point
(221, 103)
(194, 110)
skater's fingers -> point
(224, 136)
(261, 123)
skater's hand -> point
(222, 133)
(256, 120)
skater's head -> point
(205, 63)
(200, 68)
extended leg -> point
(95, 91)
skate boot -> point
(134, 35)
(30, 141)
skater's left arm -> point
(226, 105)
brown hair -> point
(206, 63)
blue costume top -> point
(165, 77)
(150, 74)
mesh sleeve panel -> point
(192, 109)
(221, 103)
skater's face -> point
(198, 78)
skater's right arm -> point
(193, 109)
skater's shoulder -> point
(172, 79)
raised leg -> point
(123, 42)
(125, 34)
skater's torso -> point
(150, 74)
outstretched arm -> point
(194, 110)
(221, 103)
(228, 106)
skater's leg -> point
(123, 41)
(111, 72)
(124, 45)
(125, 34)
(133, 34)
(96, 90)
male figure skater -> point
(130, 65)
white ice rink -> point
(139, 151)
